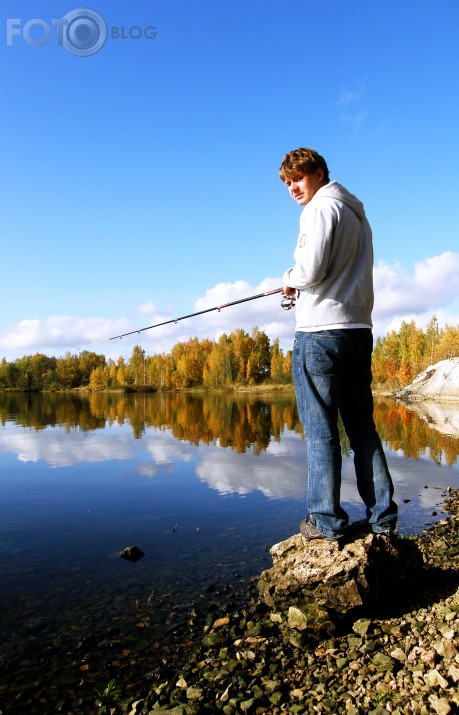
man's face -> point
(303, 188)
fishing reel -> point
(288, 301)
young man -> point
(333, 279)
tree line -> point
(239, 358)
(233, 360)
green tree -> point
(4, 373)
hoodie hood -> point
(336, 191)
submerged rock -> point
(362, 571)
(132, 553)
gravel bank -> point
(253, 661)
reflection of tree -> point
(38, 411)
(240, 422)
(405, 431)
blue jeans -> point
(331, 373)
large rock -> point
(437, 382)
(364, 570)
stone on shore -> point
(363, 571)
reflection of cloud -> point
(410, 479)
(165, 449)
(146, 470)
(280, 472)
(60, 449)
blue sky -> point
(140, 183)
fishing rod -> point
(287, 302)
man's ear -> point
(320, 174)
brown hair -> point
(302, 161)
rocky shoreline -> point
(400, 659)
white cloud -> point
(431, 287)
(348, 105)
(59, 331)
(146, 308)
(353, 96)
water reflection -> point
(233, 444)
(404, 430)
(280, 472)
(240, 422)
(82, 478)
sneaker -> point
(384, 530)
(309, 531)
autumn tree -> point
(448, 343)
(221, 365)
(242, 345)
(258, 363)
(136, 372)
(121, 371)
(68, 370)
(159, 371)
(99, 378)
(112, 372)
(88, 361)
(399, 356)
(276, 362)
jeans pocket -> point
(322, 356)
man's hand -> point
(289, 299)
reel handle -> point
(288, 302)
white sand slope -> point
(437, 382)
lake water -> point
(204, 485)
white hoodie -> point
(334, 263)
